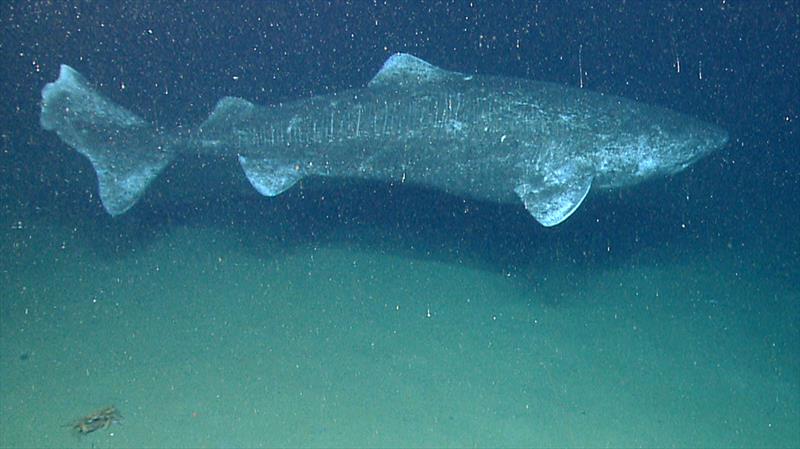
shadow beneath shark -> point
(413, 222)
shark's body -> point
(492, 138)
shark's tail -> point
(127, 152)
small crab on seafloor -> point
(101, 419)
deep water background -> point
(733, 63)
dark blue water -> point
(734, 64)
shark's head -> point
(688, 142)
(659, 148)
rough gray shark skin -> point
(491, 138)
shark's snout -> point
(704, 139)
(719, 138)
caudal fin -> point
(127, 152)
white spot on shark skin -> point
(647, 165)
(567, 118)
(644, 156)
(562, 173)
(292, 123)
(454, 126)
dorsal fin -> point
(403, 69)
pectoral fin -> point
(553, 201)
(269, 177)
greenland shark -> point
(485, 137)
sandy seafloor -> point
(204, 338)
